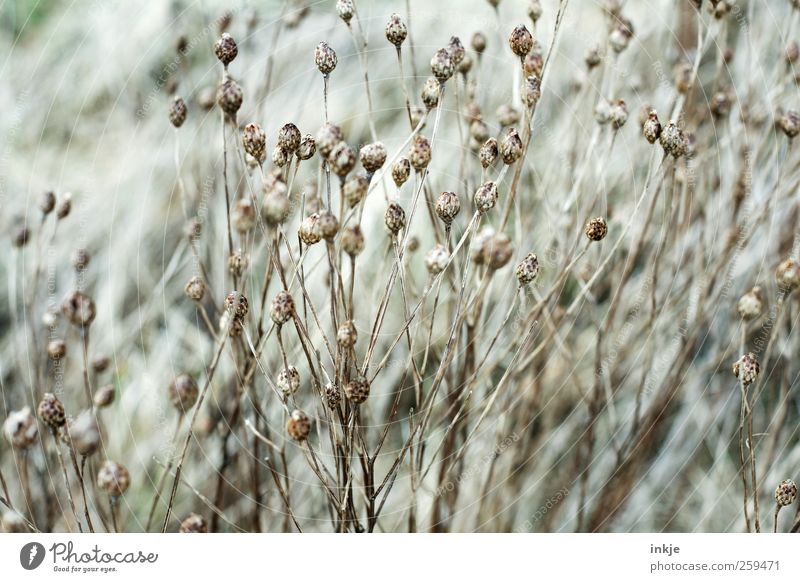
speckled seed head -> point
(280, 157)
(275, 207)
(436, 260)
(532, 91)
(788, 275)
(255, 141)
(328, 137)
(465, 66)
(84, 434)
(100, 364)
(652, 127)
(332, 395)
(13, 522)
(418, 116)
(238, 263)
(289, 380)
(672, 140)
(328, 224)
(105, 395)
(47, 202)
(177, 111)
(485, 197)
(751, 304)
(488, 152)
(786, 492)
(282, 308)
(345, 9)
(456, 50)
(746, 368)
(236, 304)
(478, 42)
(355, 188)
(325, 58)
(401, 169)
(497, 251)
(430, 93)
(229, 97)
(395, 218)
(298, 426)
(621, 34)
(56, 349)
(373, 156)
(527, 269)
(619, 114)
(225, 48)
(231, 323)
(534, 10)
(511, 146)
(289, 138)
(194, 523)
(593, 57)
(533, 63)
(792, 52)
(347, 335)
(789, 123)
(51, 411)
(442, 65)
(720, 103)
(420, 153)
(520, 41)
(357, 390)
(596, 229)
(309, 231)
(79, 309)
(448, 206)
(602, 111)
(307, 147)
(243, 215)
(353, 240)
(342, 159)
(507, 115)
(20, 429)
(396, 30)
(183, 392)
(684, 76)
(113, 478)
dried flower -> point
(751, 304)
(236, 304)
(347, 335)
(20, 429)
(51, 411)
(355, 188)
(64, 208)
(289, 138)
(619, 114)
(786, 492)
(104, 396)
(436, 260)
(357, 390)
(511, 146)
(47, 202)
(430, 93)
(309, 231)
(255, 141)
(789, 123)
(652, 127)
(520, 41)
(289, 380)
(113, 478)
(328, 138)
(596, 229)
(534, 10)
(497, 251)
(456, 50)
(325, 58)
(238, 263)
(532, 91)
(307, 147)
(448, 206)
(527, 269)
(332, 395)
(442, 65)
(298, 426)
(84, 434)
(328, 224)
(788, 275)
(243, 215)
(177, 111)
(746, 368)
(673, 140)
(420, 153)
(488, 152)
(183, 392)
(401, 170)
(396, 30)
(485, 197)
(280, 157)
(194, 523)
(275, 207)
(229, 97)
(395, 218)
(345, 9)
(79, 309)
(282, 308)
(478, 42)
(353, 240)
(225, 48)
(56, 349)
(593, 57)
(342, 159)
(373, 156)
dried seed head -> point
(527, 269)
(342, 159)
(355, 188)
(746, 368)
(478, 242)
(619, 114)
(57, 349)
(534, 10)
(532, 91)
(465, 66)
(64, 208)
(751, 304)
(413, 244)
(511, 146)
(720, 104)
(255, 141)
(353, 240)
(84, 433)
(289, 380)
(488, 152)
(47, 202)
(479, 131)
(786, 492)
(13, 522)
(282, 308)
(430, 93)
(21, 236)
(436, 260)
(328, 225)
(347, 335)
(51, 411)
(289, 138)
(418, 116)
(100, 364)
(497, 251)
(229, 97)
(20, 429)
(684, 75)
(456, 50)
(789, 123)
(345, 9)
(298, 426)
(309, 231)
(593, 57)
(225, 48)
(243, 215)
(533, 63)
(280, 157)
(325, 58)
(79, 309)
(357, 390)
(231, 323)
(448, 206)
(652, 127)
(238, 263)
(275, 207)
(194, 523)
(420, 153)
(602, 111)
(792, 52)
(332, 395)
(177, 111)
(183, 392)
(673, 140)
(485, 197)
(113, 478)
(328, 138)
(788, 275)
(105, 396)
(395, 218)
(507, 115)
(596, 229)
(478, 42)
(236, 305)
(621, 35)
(520, 41)
(396, 30)
(373, 156)
(307, 147)
(442, 65)
(401, 169)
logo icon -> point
(31, 555)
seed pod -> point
(684, 76)
(355, 188)
(593, 57)
(497, 251)
(478, 42)
(619, 114)
(105, 395)
(720, 104)
(520, 41)
(602, 111)
(21, 236)
(357, 390)
(786, 492)
(342, 159)
(84, 434)
(20, 429)
(328, 225)
(507, 115)
(328, 138)
(534, 10)
(194, 523)
(309, 231)
(395, 218)
(373, 156)
(527, 269)
(236, 304)
(621, 35)
(47, 202)
(465, 66)
(289, 138)
(533, 64)
(183, 392)
(788, 275)
(485, 197)
(255, 141)
(456, 50)
(652, 127)
(51, 411)
(307, 147)
(396, 30)
(177, 111)
(64, 208)
(789, 123)
(511, 146)
(282, 308)
(596, 229)
(229, 97)
(280, 157)
(298, 426)
(420, 153)
(79, 309)
(231, 323)
(347, 335)
(746, 368)
(430, 93)
(225, 48)
(417, 116)
(100, 364)
(673, 140)
(345, 9)
(436, 260)
(275, 207)
(243, 215)
(325, 58)
(751, 304)
(113, 478)
(442, 65)
(238, 263)
(332, 395)
(488, 152)
(791, 53)
(353, 240)
(448, 206)
(195, 288)
(401, 169)
(289, 380)
(56, 349)
(532, 91)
